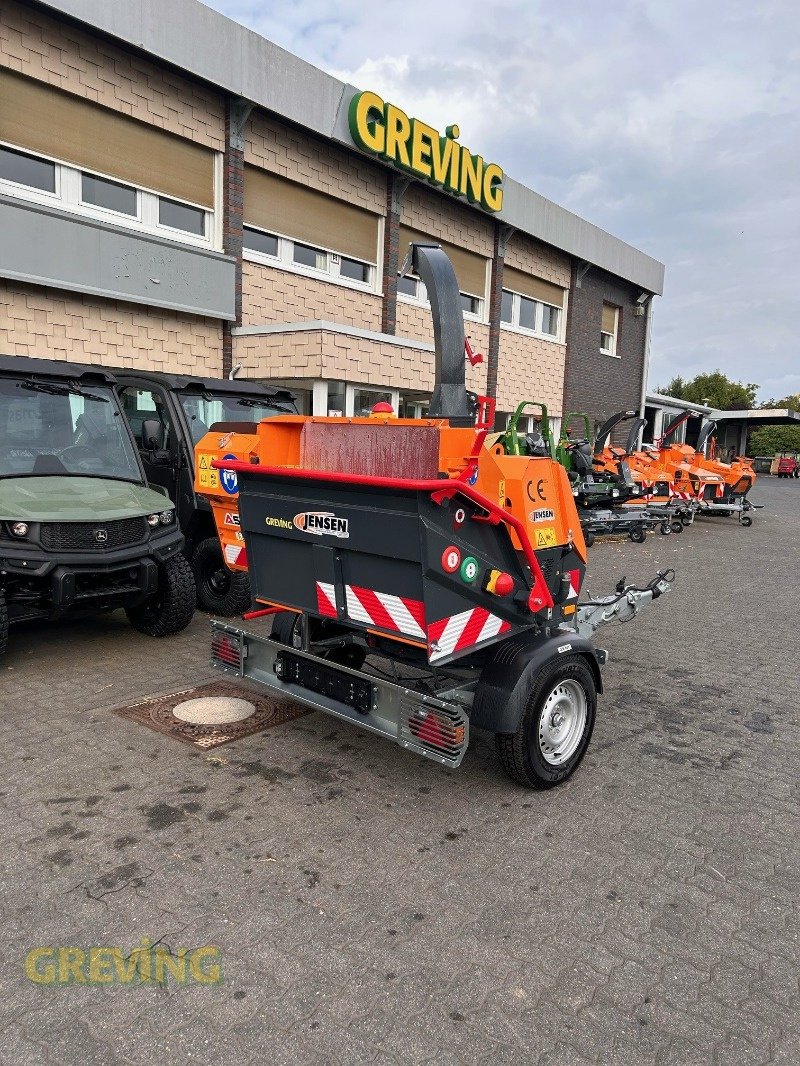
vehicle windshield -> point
(202, 411)
(52, 428)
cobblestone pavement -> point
(372, 908)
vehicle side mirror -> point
(152, 435)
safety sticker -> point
(231, 518)
(546, 538)
(208, 478)
(228, 478)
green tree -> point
(714, 389)
(768, 440)
(792, 402)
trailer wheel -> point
(219, 590)
(286, 627)
(746, 520)
(686, 520)
(589, 537)
(666, 529)
(556, 725)
(638, 536)
(169, 610)
(3, 623)
(676, 526)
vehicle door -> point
(142, 403)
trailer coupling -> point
(623, 605)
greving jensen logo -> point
(322, 523)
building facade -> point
(177, 193)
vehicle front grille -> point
(92, 536)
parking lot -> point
(372, 908)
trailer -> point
(424, 579)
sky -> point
(674, 125)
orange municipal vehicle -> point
(423, 578)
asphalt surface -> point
(372, 908)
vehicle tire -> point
(169, 610)
(3, 623)
(666, 529)
(220, 591)
(589, 537)
(676, 526)
(638, 536)
(544, 751)
(746, 520)
(285, 625)
(686, 520)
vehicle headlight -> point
(166, 518)
(19, 529)
(153, 520)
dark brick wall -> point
(495, 297)
(395, 186)
(599, 384)
(232, 223)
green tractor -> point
(539, 442)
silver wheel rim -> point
(562, 722)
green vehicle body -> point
(515, 443)
(80, 529)
(564, 453)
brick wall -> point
(529, 369)
(61, 54)
(415, 323)
(51, 324)
(319, 165)
(596, 383)
(272, 295)
(528, 254)
(439, 216)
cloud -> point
(674, 126)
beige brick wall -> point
(51, 324)
(416, 323)
(87, 65)
(283, 150)
(271, 295)
(528, 254)
(530, 369)
(440, 216)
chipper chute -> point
(423, 579)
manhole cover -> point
(214, 710)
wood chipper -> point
(423, 581)
(738, 477)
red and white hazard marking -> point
(326, 599)
(574, 584)
(461, 631)
(394, 613)
(235, 555)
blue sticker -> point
(228, 478)
(473, 477)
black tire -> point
(638, 536)
(686, 520)
(676, 526)
(284, 626)
(521, 753)
(3, 623)
(746, 520)
(220, 591)
(666, 529)
(169, 610)
(589, 537)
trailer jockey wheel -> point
(556, 724)
(588, 536)
(638, 536)
(666, 529)
(686, 520)
(676, 526)
(286, 628)
(746, 520)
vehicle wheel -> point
(3, 623)
(169, 610)
(666, 529)
(588, 536)
(556, 725)
(676, 526)
(686, 520)
(219, 590)
(746, 520)
(638, 536)
(286, 627)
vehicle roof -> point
(22, 365)
(190, 383)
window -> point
(608, 329)
(110, 195)
(144, 405)
(181, 216)
(284, 252)
(535, 316)
(24, 169)
(469, 304)
(82, 192)
(408, 285)
(256, 241)
(414, 288)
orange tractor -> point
(423, 580)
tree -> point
(792, 402)
(768, 440)
(713, 389)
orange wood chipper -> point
(423, 581)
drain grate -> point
(156, 713)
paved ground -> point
(373, 908)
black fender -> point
(502, 689)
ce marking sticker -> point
(540, 493)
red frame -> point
(438, 490)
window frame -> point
(537, 331)
(284, 260)
(68, 197)
(424, 302)
(611, 352)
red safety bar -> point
(439, 490)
